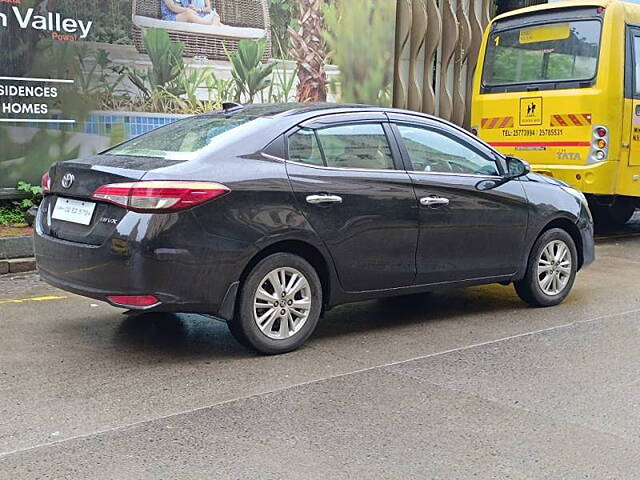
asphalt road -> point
(463, 384)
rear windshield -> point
(563, 51)
(182, 139)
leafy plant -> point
(35, 195)
(365, 59)
(286, 82)
(283, 13)
(224, 89)
(10, 214)
(249, 74)
(167, 65)
(281, 91)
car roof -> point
(314, 109)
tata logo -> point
(567, 156)
(67, 180)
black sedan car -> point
(266, 216)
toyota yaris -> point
(266, 216)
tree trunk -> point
(310, 52)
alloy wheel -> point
(282, 303)
(554, 267)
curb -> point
(16, 247)
(17, 265)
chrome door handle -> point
(433, 201)
(320, 199)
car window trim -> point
(335, 119)
(438, 129)
(396, 154)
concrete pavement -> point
(462, 384)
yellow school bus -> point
(558, 85)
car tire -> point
(549, 277)
(279, 305)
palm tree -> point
(310, 52)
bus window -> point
(565, 51)
(636, 61)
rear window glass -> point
(562, 51)
(356, 146)
(180, 140)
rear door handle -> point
(320, 199)
(434, 201)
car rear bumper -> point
(187, 273)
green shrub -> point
(360, 35)
(11, 214)
(251, 76)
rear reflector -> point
(136, 301)
(159, 196)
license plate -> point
(74, 211)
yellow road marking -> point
(33, 299)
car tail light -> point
(159, 196)
(134, 301)
(45, 183)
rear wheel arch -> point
(296, 247)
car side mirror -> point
(516, 168)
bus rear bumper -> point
(598, 178)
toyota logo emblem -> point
(67, 180)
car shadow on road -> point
(179, 336)
(405, 311)
(183, 337)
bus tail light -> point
(159, 196)
(599, 144)
(474, 131)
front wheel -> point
(551, 270)
(279, 306)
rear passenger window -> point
(356, 146)
(303, 148)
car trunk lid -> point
(79, 179)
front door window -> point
(432, 151)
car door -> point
(349, 182)
(466, 232)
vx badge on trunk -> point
(67, 180)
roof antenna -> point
(228, 107)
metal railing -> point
(12, 194)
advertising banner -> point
(79, 76)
